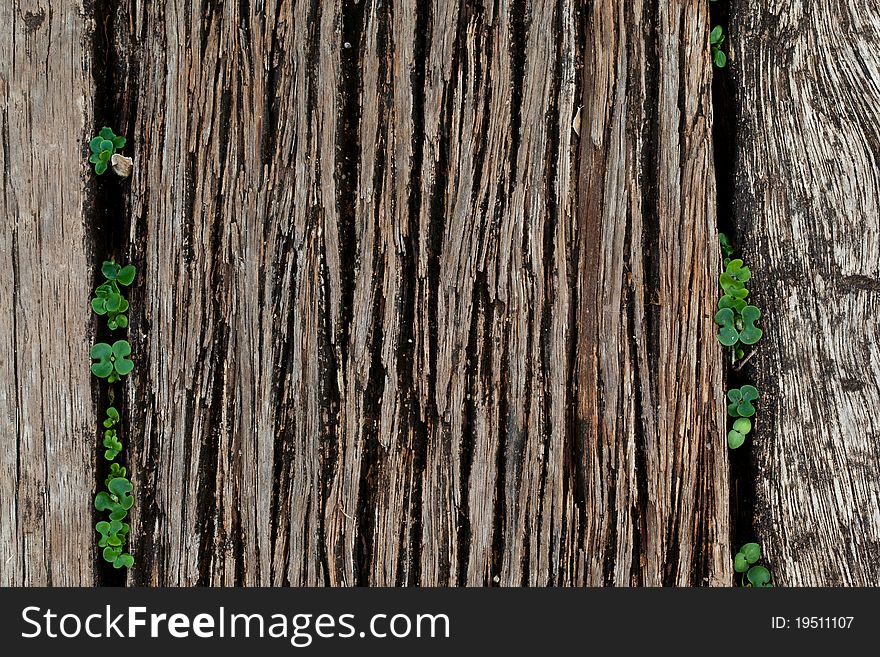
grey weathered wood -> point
(397, 326)
(48, 427)
(808, 202)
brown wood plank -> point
(399, 324)
(808, 204)
(48, 426)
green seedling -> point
(716, 38)
(103, 146)
(116, 499)
(746, 564)
(112, 361)
(741, 401)
(737, 436)
(116, 470)
(726, 247)
(735, 317)
(108, 299)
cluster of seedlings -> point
(736, 319)
(752, 574)
(716, 38)
(111, 362)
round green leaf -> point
(126, 275)
(95, 144)
(751, 551)
(113, 302)
(106, 133)
(735, 439)
(740, 564)
(99, 306)
(105, 157)
(123, 561)
(758, 576)
(121, 348)
(719, 58)
(110, 270)
(121, 321)
(107, 147)
(715, 34)
(118, 141)
(743, 425)
(100, 168)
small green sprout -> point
(716, 38)
(737, 436)
(113, 362)
(735, 317)
(726, 247)
(116, 499)
(745, 563)
(108, 299)
(116, 470)
(103, 147)
(741, 401)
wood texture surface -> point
(808, 202)
(425, 295)
(47, 421)
(400, 325)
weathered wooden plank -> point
(376, 260)
(647, 368)
(808, 208)
(48, 425)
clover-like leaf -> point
(123, 560)
(106, 133)
(121, 321)
(728, 334)
(95, 144)
(103, 501)
(121, 349)
(116, 470)
(110, 270)
(740, 563)
(752, 552)
(716, 35)
(110, 553)
(733, 302)
(103, 528)
(741, 401)
(100, 168)
(743, 425)
(735, 439)
(126, 275)
(719, 57)
(121, 487)
(113, 414)
(99, 306)
(750, 333)
(102, 353)
(758, 576)
(113, 302)
(118, 141)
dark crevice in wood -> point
(480, 298)
(107, 228)
(348, 145)
(416, 427)
(724, 144)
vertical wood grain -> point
(47, 424)
(400, 324)
(808, 202)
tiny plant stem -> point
(738, 366)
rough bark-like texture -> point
(400, 325)
(809, 204)
(396, 320)
(47, 423)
